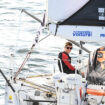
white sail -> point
(79, 33)
(82, 20)
(59, 10)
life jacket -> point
(96, 73)
(64, 66)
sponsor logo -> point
(101, 12)
(10, 97)
(102, 35)
(82, 33)
(72, 79)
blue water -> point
(17, 33)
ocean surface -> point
(17, 34)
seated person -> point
(66, 59)
(96, 72)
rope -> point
(41, 88)
(29, 53)
(34, 76)
(25, 60)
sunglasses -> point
(69, 48)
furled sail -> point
(77, 19)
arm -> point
(67, 63)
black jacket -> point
(66, 63)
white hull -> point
(42, 88)
(26, 89)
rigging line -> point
(27, 57)
(34, 76)
(44, 37)
(32, 16)
(25, 60)
(79, 46)
(41, 86)
(12, 62)
(9, 84)
(19, 29)
(51, 101)
(37, 87)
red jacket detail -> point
(67, 63)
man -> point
(65, 62)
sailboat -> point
(74, 20)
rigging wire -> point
(13, 64)
(36, 39)
(29, 53)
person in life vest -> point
(96, 72)
(99, 59)
(64, 61)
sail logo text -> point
(82, 33)
(102, 35)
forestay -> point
(82, 20)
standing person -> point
(66, 59)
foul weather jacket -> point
(66, 63)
